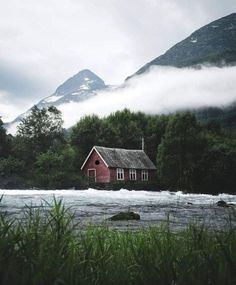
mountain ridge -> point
(214, 43)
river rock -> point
(223, 204)
(125, 216)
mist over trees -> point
(190, 155)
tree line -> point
(190, 156)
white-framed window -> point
(144, 175)
(132, 174)
(120, 174)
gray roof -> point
(125, 158)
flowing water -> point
(95, 206)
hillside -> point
(214, 44)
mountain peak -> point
(86, 72)
(83, 80)
(81, 86)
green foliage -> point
(86, 134)
(46, 246)
(40, 131)
(153, 134)
(11, 166)
(127, 129)
(23, 149)
(197, 158)
(180, 151)
(218, 169)
(55, 169)
(4, 142)
(42, 128)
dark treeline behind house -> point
(192, 154)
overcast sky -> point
(43, 43)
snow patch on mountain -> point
(193, 40)
(82, 86)
(52, 99)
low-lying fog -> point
(161, 90)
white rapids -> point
(95, 206)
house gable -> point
(93, 149)
(95, 162)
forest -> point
(192, 153)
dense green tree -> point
(180, 151)
(38, 132)
(55, 169)
(11, 166)
(4, 142)
(86, 133)
(42, 128)
(11, 172)
(218, 166)
(23, 149)
(153, 134)
(127, 130)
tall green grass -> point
(45, 246)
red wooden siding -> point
(102, 172)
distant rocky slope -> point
(214, 43)
(82, 86)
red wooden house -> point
(104, 165)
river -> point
(95, 206)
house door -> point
(92, 175)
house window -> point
(144, 175)
(120, 173)
(132, 174)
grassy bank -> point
(46, 247)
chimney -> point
(143, 144)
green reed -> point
(46, 246)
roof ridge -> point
(96, 146)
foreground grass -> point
(48, 248)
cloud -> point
(18, 92)
(42, 43)
(8, 111)
(19, 86)
(161, 90)
(54, 39)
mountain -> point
(82, 86)
(214, 43)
